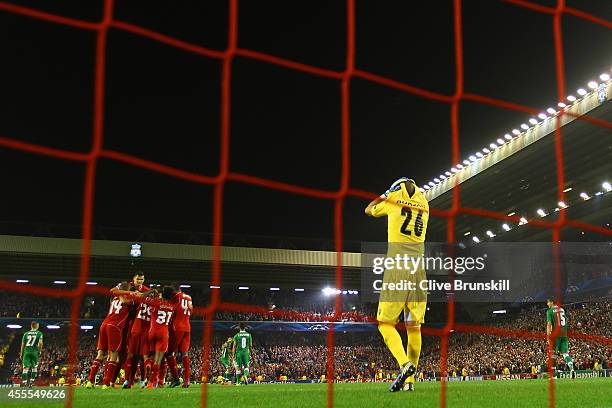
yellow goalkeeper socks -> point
(414, 346)
(393, 340)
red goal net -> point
(344, 77)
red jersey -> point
(183, 312)
(142, 322)
(142, 319)
(161, 312)
(118, 313)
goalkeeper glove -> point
(397, 185)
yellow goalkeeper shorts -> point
(389, 312)
(413, 302)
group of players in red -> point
(144, 328)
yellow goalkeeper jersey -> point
(406, 216)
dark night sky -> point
(162, 104)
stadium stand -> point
(296, 354)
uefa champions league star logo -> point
(318, 327)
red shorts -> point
(158, 341)
(179, 341)
(110, 338)
(139, 343)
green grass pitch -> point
(592, 393)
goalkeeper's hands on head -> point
(397, 184)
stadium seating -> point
(361, 355)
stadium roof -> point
(44, 260)
(540, 126)
(520, 178)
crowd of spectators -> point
(292, 354)
(96, 307)
(54, 358)
(305, 355)
(296, 316)
(30, 306)
(21, 305)
(363, 354)
(482, 354)
(6, 338)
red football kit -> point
(128, 327)
(111, 337)
(139, 331)
(161, 314)
(180, 332)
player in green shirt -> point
(241, 354)
(555, 317)
(31, 347)
(226, 349)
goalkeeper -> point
(407, 213)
